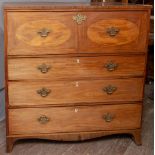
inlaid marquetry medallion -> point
(113, 32)
(43, 33)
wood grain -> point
(77, 6)
(6, 72)
(75, 67)
(57, 33)
(23, 37)
(30, 43)
(123, 1)
(71, 119)
(93, 37)
(70, 92)
(97, 32)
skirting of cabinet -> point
(75, 136)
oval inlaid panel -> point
(28, 33)
(128, 32)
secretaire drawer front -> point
(75, 67)
(72, 119)
(70, 92)
(41, 33)
(113, 32)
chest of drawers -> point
(74, 71)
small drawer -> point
(75, 67)
(38, 33)
(74, 119)
(71, 92)
(114, 32)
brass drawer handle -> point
(43, 92)
(113, 31)
(43, 32)
(43, 119)
(79, 18)
(44, 68)
(110, 89)
(111, 66)
(108, 117)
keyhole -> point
(76, 110)
(78, 61)
(77, 84)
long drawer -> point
(70, 92)
(74, 119)
(75, 67)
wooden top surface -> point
(74, 6)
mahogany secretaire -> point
(74, 71)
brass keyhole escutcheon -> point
(79, 18)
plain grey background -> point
(2, 100)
